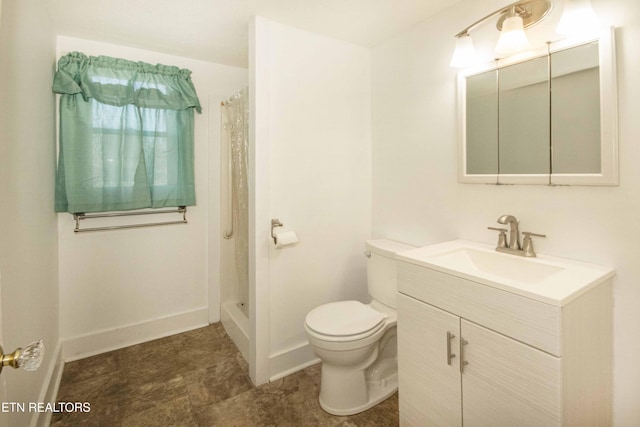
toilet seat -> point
(344, 321)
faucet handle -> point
(502, 237)
(527, 243)
(529, 234)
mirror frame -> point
(608, 175)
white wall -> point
(125, 286)
(416, 197)
(28, 236)
(316, 124)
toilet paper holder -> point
(275, 223)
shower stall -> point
(235, 216)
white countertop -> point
(552, 280)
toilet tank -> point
(381, 269)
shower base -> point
(236, 324)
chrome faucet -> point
(514, 233)
(512, 246)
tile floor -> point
(197, 378)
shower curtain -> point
(237, 127)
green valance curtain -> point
(126, 135)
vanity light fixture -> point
(513, 20)
(578, 18)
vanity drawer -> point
(524, 319)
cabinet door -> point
(507, 383)
(429, 389)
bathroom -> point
(370, 135)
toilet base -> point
(378, 390)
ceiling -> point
(217, 30)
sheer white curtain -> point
(237, 127)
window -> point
(126, 135)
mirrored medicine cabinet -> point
(546, 117)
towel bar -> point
(79, 216)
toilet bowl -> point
(357, 342)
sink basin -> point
(494, 263)
(549, 279)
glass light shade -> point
(512, 38)
(578, 19)
(465, 54)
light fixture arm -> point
(480, 21)
(531, 12)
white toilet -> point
(357, 342)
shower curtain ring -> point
(275, 223)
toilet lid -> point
(344, 318)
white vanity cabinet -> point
(429, 387)
(472, 355)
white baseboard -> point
(112, 339)
(290, 361)
(49, 391)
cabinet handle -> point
(450, 355)
(463, 362)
